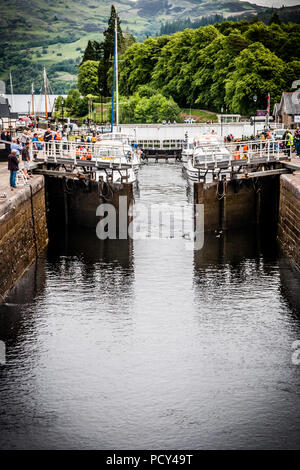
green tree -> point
(58, 103)
(75, 105)
(92, 51)
(138, 63)
(107, 48)
(149, 108)
(257, 71)
(88, 78)
(275, 18)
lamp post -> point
(222, 110)
(255, 100)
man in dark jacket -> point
(13, 166)
(47, 138)
(3, 134)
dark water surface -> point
(145, 344)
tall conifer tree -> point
(108, 51)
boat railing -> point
(71, 151)
(243, 152)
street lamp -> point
(255, 100)
(222, 110)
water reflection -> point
(146, 345)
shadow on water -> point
(83, 243)
(14, 310)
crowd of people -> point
(19, 146)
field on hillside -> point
(199, 115)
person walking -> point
(13, 166)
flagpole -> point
(32, 98)
(113, 97)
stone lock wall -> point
(289, 217)
(23, 232)
(245, 202)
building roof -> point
(290, 103)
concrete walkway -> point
(4, 184)
(293, 164)
(16, 194)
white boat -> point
(114, 148)
(187, 152)
(208, 150)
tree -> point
(257, 71)
(138, 63)
(58, 103)
(149, 107)
(107, 48)
(92, 51)
(275, 18)
(128, 40)
(75, 105)
(88, 78)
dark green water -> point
(144, 344)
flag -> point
(268, 105)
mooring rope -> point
(218, 195)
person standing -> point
(47, 139)
(15, 145)
(24, 138)
(3, 135)
(13, 166)
(297, 141)
(26, 158)
(289, 141)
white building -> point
(22, 104)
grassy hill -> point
(54, 33)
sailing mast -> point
(45, 90)
(11, 90)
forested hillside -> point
(54, 33)
(215, 66)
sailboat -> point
(44, 105)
